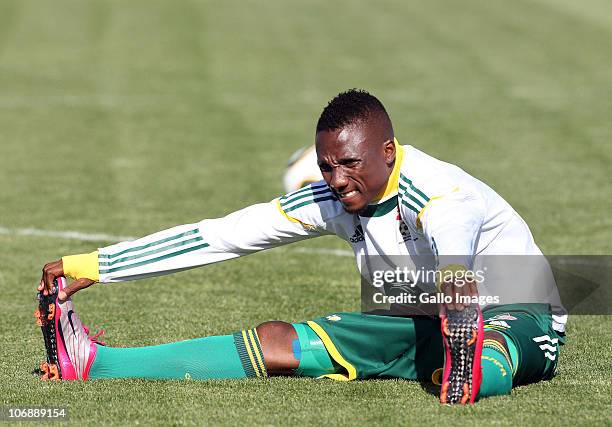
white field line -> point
(325, 251)
(71, 235)
(75, 100)
(102, 237)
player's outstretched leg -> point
(463, 333)
(273, 348)
(234, 356)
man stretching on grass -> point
(383, 199)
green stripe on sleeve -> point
(307, 202)
(152, 260)
(301, 196)
(307, 189)
(149, 245)
(151, 252)
(414, 199)
(409, 206)
(412, 187)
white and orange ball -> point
(302, 169)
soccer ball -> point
(302, 169)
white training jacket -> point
(429, 208)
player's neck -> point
(393, 181)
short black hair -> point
(349, 107)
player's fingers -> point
(49, 274)
(459, 294)
(75, 286)
(51, 271)
(449, 294)
(42, 286)
(473, 289)
(441, 310)
(467, 293)
(49, 278)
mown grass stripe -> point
(153, 251)
(149, 245)
(301, 196)
(307, 202)
(152, 260)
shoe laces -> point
(94, 338)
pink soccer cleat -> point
(70, 349)
(463, 334)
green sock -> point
(229, 356)
(498, 366)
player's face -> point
(356, 164)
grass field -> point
(129, 117)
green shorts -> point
(372, 346)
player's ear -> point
(389, 151)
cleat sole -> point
(44, 369)
(54, 373)
(45, 316)
(466, 393)
(51, 313)
(444, 393)
(460, 330)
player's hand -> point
(52, 271)
(454, 290)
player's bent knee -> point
(276, 340)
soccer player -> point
(383, 199)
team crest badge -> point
(404, 231)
